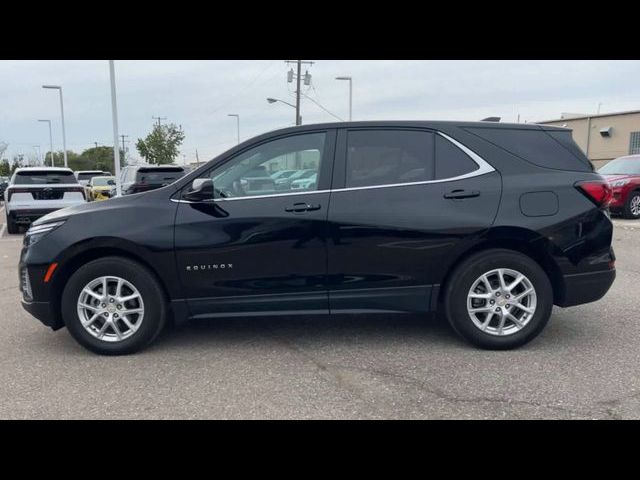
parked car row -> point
(33, 192)
(4, 182)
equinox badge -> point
(210, 266)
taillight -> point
(599, 192)
(11, 191)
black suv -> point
(489, 224)
(142, 178)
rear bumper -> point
(586, 287)
(28, 215)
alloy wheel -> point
(110, 308)
(501, 302)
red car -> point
(623, 174)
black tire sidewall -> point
(627, 206)
(12, 228)
(469, 271)
(137, 275)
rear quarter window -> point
(548, 149)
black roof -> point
(159, 167)
(421, 123)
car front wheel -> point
(113, 306)
(632, 206)
(498, 299)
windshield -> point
(88, 175)
(306, 174)
(283, 174)
(35, 177)
(622, 166)
(103, 181)
(159, 175)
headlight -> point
(619, 183)
(36, 233)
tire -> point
(632, 203)
(467, 275)
(12, 228)
(151, 298)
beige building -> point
(605, 136)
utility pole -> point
(159, 119)
(96, 144)
(298, 77)
(114, 116)
(197, 159)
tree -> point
(161, 146)
(17, 162)
(99, 158)
(58, 159)
(5, 168)
(94, 158)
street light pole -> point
(64, 137)
(238, 123)
(350, 94)
(114, 115)
(50, 141)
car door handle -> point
(462, 194)
(302, 207)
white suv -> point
(36, 191)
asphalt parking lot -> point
(586, 364)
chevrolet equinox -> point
(488, 224)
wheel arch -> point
(79, 255)
(518, 239)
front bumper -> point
(586, 287)
(44, 312)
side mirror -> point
(202, 191)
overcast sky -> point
(199, 94)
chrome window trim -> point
(483, 168)
(252, 197)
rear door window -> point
(387, 157)
(44, 177)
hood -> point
(612, 178)
(87, 208)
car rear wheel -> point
(498, 299)
(113, 306)
(632, 206)
(12, 227)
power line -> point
(243, 89)
(323, 108)
(159, 118)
